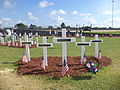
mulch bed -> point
(54, 66)
(23, 46)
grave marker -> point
(20, 37)
(30, 38)
(96, 41)
(36, 35)
(26, 42)
(83, 44)
(45, 45)
(1, 38)
(63, 40)
(13, 40)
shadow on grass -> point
(55, 78)
(81, 78)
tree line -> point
(22, 26)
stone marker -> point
(96, 41)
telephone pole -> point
(112, 12)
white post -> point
(9, 42)
(27, 49)
(13, 41)
(96, 47)
(64, 47)
(45, 51)
(37, 39)
(82, 49)
(29, 35)
(15, 37)
(2, 40)
(24, 35)
(20, 39)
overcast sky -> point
(54, 12)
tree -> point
(63, 25)
(68, 27)
(32, 26)
(20, 26)
(39, 27)
(50, 27)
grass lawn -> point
(108, 78)
(105, 32)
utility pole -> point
(112, 12)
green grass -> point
(108, 78)
(105, 32)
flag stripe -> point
(65, 68)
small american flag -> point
(24, 58)
(65, 68)
(84, 59)
(43, 63)
(16, 44)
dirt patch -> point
(54, 66)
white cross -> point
(13, 39)
(26, 42)
(83, 44)
(96, 41)
(45, 45)
(36, 35)
(2, 40)
(20, 37)
(64, 46)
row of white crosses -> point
(44, 45)
(13, 39)
(63, 40)
(1, 39)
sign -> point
(99, 41)
(28, 42)
(45, 44)
(83, 44)
(59, 40)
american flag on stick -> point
(65, 68)
(84, 59)
(43, 63)
(24, 58)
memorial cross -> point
(20, 37)
(96, 41)
(45, 45)
(63, 40)
(26, 42)
(83, 44)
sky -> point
(54, 12)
